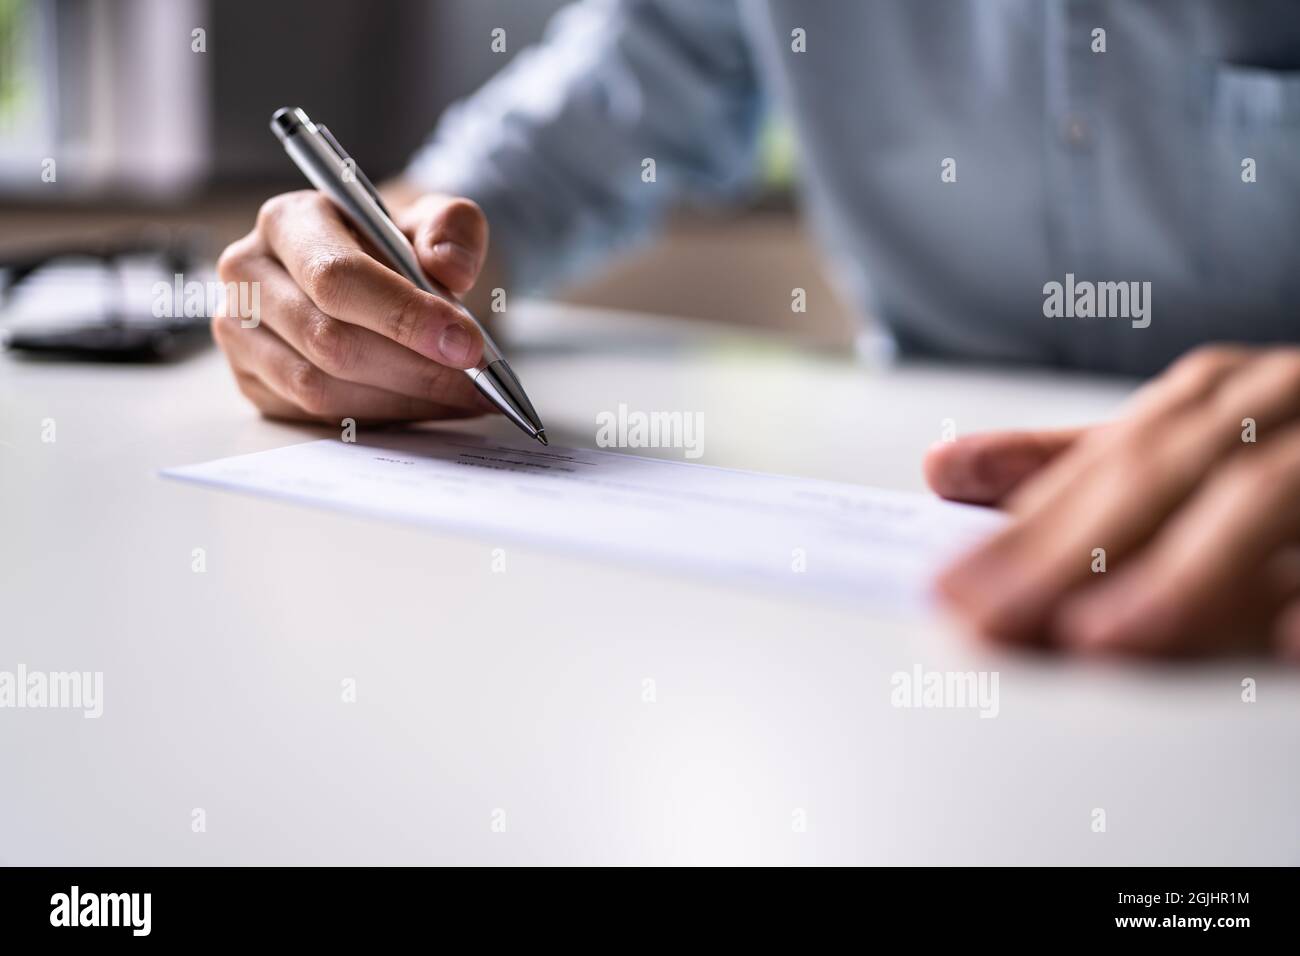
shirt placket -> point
(1071, 129)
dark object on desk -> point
(117, 301)
(112, 342)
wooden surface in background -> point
(740, 268)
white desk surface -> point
(522, 691)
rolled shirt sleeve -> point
(554, 147)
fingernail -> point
(456, 255)
(456, 344)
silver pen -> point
(322, 160)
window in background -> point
(26, 90)
(111, 90)
(115, 92)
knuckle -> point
(247, 385)
(1256, 479)
(413, 408)
(406, 320)
(1132, 456)
(1131, 444)
(328, 344)
(1275, 386)
(1288, 372)
(1272, 478)
(270, 211)
(1204, 363)
(326, 277)
(235, 258)
(306, 386)
(439, 385)
(222, 327)
(452, 388)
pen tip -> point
(541, 437)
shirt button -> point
(1076, 131)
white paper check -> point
(808, 534)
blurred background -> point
(154, 116)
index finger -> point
(326, 260)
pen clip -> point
(351, 164)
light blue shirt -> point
(1132, 164)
